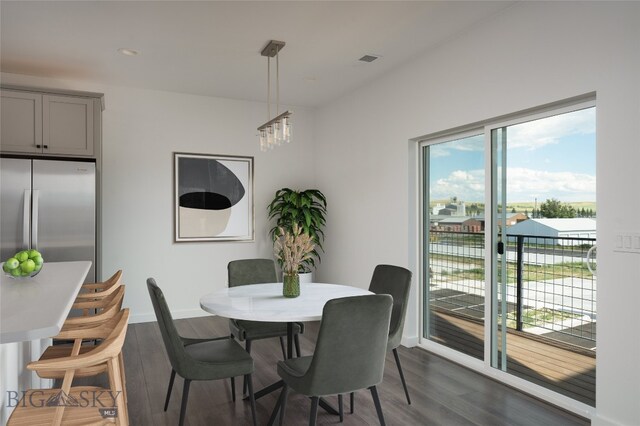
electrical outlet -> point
(627, 242)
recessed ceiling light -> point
(128, 52)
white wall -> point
(532, 54)
(141, 130)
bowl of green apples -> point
(24, 264)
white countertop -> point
(35, 308)
(265, 302)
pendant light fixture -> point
(277, 130)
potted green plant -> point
(308, 210)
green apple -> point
(6, 268)
(34, 254)
(16, 272)
(38, 260)
(28, 266)
(11, 263)
(38, 267)
(22, 256)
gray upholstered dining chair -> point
(395, 281)
(346, 359)
(258, 271)
(199, 359)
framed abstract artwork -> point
(213, 197)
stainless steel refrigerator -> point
(50, 206)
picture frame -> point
(213, 197)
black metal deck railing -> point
(550, 290)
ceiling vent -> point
(368, 58)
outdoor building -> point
(557, 228)
(452, 208)
(512, 219)
(436, 209)
(447, 212)
(458, 224)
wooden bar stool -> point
(74, 323)
(61, 350)
(97, 305)
(91, 291)
(108, 307)
(62, 405)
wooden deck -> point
(563, 368)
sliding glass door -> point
(453, 261)
(544, 223)
(508, 221)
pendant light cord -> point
(277, 82)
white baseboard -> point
(184, 313)
(409, 341)
(601, 421)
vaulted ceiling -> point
(213, 48)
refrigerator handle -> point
(26, 212)
(34, 226)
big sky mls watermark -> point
(104, 400)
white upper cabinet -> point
(50, 124)
(20, 121)
(67, 125)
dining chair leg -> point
(185, 397)
(340, 408)
(252, 399)
(296, 340)
(123, 377)
(115, 382)
(284, 351)
(352, 400)
(314, 410)
(283, 404)
(376, 401)
(276, 409)
(247, 347)
(166, 401)
(404, 383)
(233, 388)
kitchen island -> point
(32, 310)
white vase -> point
(306, 277)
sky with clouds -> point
(552, 157)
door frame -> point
(484, 366)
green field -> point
(525, 206)
(473, 269)
(528, 206)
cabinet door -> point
(21, 118)
(67, 125)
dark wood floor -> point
(560, 367)
(443, 393)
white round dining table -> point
(265, 302)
